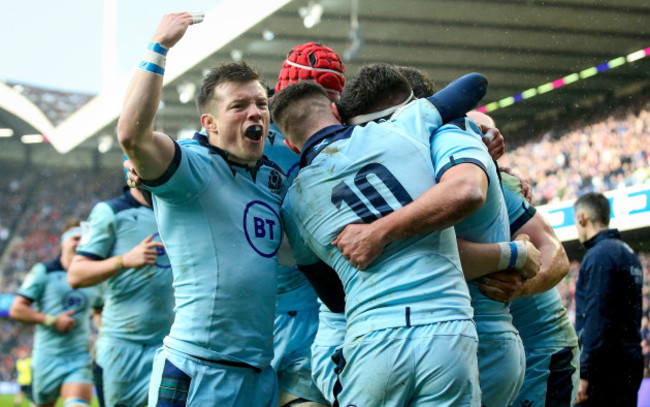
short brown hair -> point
(421, 83)
(239, 72)
(596, 205)
(376, 87)
(289, 108)
(70, 223)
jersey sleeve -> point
(98, 233)
(519, 210)
(302, 253)
(34, 284)
(187, 175)
(460, 96)
(451, 145)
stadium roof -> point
(19, 115)
(520, 45)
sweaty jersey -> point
(358, 174)
(138, 303)
(46, 285)
(488, 224)
(220, 223)
(541, 318)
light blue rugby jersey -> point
(220, 223)
(452, 145)
(46, 285)
(349, 175)
(541, 319)
(139, 303)
(294, 291)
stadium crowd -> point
(596, 156)
(33, 208)
(38, 208)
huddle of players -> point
(409, 316)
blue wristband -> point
(157, 48)
(148, 66)
(513, 254)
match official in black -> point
(608, 310)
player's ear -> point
(582, 219)
(209, 123)
(335, 111)
(291, 146)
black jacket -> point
(608, 304)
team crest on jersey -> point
(74, 300)
(263, 229)
(162, 261)
(275, 181)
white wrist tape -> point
(513, 254)
(504, 257)
(155, 58)
(522, 253)
(50, 320)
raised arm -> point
(150, 152)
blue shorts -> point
(293, 335)
(552, 377)
(424, 365)
(322, 369)
(178, 379)
(502, 363)
(126, 371)
(98, 381)
(330, 337)
(50, 372)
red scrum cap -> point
(313, 61)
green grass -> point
(7, 400)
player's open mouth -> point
(254, 132)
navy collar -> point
(321, 139)
(602, 235)
(203, 141)
(54, 265)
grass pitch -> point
(7, 400)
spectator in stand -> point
(589, 157)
